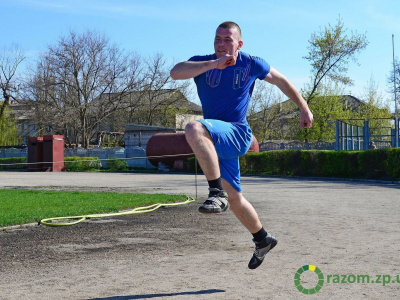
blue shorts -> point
(231, 140)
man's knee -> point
(194, 130)
(192, 127)
(234, 196)
(236, 201)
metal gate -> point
(355, 137)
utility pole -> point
(396, 126)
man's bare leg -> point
(203, 147)
(246, 214)
(242, 208)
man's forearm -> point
(292, 93)
(306, 116)
(190, 69)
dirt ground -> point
(342, 227)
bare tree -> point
(393, 79)
(158, 91)
(265, 111)
(10, 60)
(81, 81)
(376, 109)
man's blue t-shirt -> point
(225, 94)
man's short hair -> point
(230, 24)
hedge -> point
(381, 164)
(14, 163)
(117, 164)
(77, 163)
(72, 163)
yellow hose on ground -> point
(138, 210)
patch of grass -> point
(28, 206)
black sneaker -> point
(262, 248)
(216, 202)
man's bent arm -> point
(190, 69)
(276, 78)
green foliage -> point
(393, 163)
(374, 164)
(111, 140)
(193, 164)
(330, 51)
(337, 164)
(8, 129)
(15, 163)
(331, 104)
(376, 110)
(381, 164)
(76, 163)
(117, 164)
(328, 107)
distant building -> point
(160, 108)
(137, 135)
(24, 112)
(183, 119)
(278, 118)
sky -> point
(278, 31)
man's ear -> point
(240, 45)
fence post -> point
(393, 133)
(351, 137)
(337, 144)
(366, 135)
(396, 132)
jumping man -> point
(225, 82)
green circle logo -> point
(301, 271)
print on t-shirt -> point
(213, 77)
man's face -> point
(227, 41)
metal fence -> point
(348, 137)
(354, 137)
(296, 145)
(13, 152)
(135, 156)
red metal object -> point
(254, 147)
(53, 153)
(174, 145)
(35, 154)
(165, 144)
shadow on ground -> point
(149, 296)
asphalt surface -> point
(342, 227)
